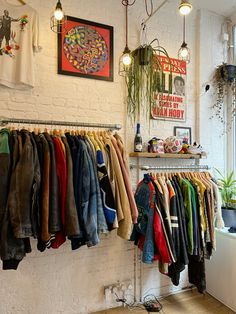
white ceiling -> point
(223, 7)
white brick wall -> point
(62, 281)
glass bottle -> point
(138, 145)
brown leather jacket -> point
(12, 249)
(23, 196)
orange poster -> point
(170, 100)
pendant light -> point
(58, 19)
(184, 51)
(185, 7)
(126, 59)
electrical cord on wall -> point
(151, 304)
(130, 3)
(146, 7)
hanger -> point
(21, 1)
(179, 175)
(56, 132)
(36, 131)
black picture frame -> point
(61, 58)
(181, 131)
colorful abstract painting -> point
(86, 49)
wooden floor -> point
(186, 302)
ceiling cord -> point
(146, 7)
(130, 3)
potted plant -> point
(145, 77)
(227, 187)
(224, 79)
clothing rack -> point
(4, 121)
(192, 167)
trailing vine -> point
(145, 78)
(223, 82)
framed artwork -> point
(85, 49)
(184, 133)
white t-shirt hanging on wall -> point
(19, 38)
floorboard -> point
(186, 302)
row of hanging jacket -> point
(177, 216)
(58, 185)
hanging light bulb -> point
(58, 19)
(185, 7)
(184, 51)
(125, 62)
(126, 59)
(58, 13)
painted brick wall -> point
(69, 282)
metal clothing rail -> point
(191, 167)
(5, 121)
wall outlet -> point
(118, 290)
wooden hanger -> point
(21, 1)
(179, 175)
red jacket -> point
(61, 174)
(160, 239)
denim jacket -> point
(102, 223)
(85, 197)
(89, 198)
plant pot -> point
(144, 55)
(228, 72)
(229, 216)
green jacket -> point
(186, 190)
(4, 138)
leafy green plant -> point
(145, 79)
(227, 187)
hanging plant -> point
(145, 79)
(224, 78)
